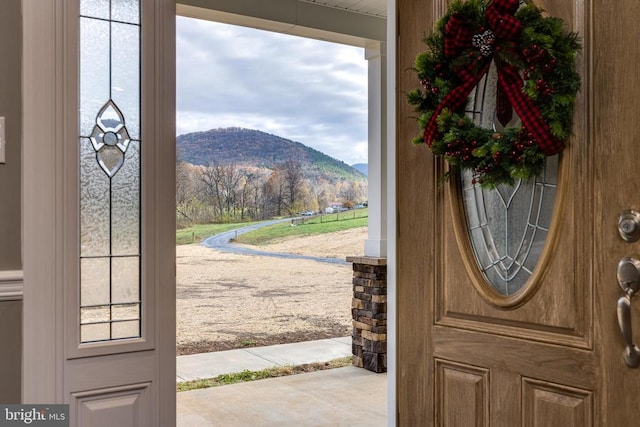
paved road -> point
(222, 242)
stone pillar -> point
(369, 313)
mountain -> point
(362, 167)
(248, 147)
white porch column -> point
(376, 243)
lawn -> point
(198, 232)
(307, 226)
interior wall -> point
(11, 110)
(10, 351)
(10, 196)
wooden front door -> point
(551, 355)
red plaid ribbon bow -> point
(506, 27)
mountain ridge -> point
(255, 148)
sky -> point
(309, 91)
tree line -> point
(233, 193)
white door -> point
(99, 221)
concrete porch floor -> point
(337, 397)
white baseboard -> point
(11, 285)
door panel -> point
(552, 354)
(547, 404)
(122, 406)
(464, 391)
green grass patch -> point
(307, 226)
(246, 375)
(196, 233)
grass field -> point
(307, 226)
(196, 233)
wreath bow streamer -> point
(458, 37)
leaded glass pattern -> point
(508, 225)
(110, 170)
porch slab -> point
(346, 396)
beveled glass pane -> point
(507, 225)
(125, 74)
(110, 160)
(126, 312)
(94, 204)
(125, 280)
(94, 71)
(125, 204)
(95, 8)
(94, 279)
(125, 11)
(130, 329)
(98, 332)
(96, 314)
(110, 117)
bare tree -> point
(275, 190)
(294, 180)
(221, 184)
(185, 191)
(352, 192)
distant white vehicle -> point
(328, 210)
(308, 213)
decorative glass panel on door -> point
(110, 170)
(508, 225)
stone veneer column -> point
(369, 313)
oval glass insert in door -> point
(508, 225)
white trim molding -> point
(11, 285)
(295, 17)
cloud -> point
(310, 91)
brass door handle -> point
(629, 281)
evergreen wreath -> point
(535, 61)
